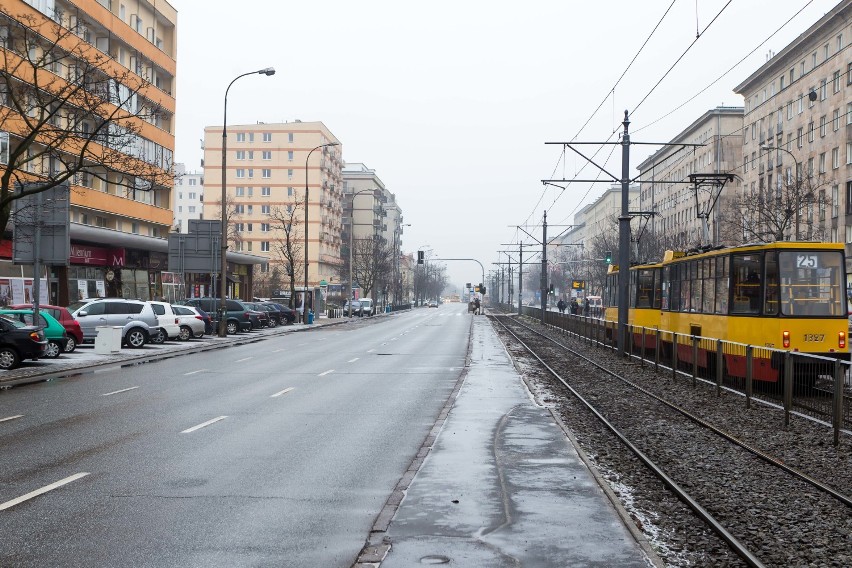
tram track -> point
(728, 483)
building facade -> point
(715, 146)
(120, 199)
(798, 126)
(269, 168)
(187, 197)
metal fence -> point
(808, 385)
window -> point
(251, 154)
(241, 154)
(239, 227)
(848, 113)
(801, 104)
(822, 162)
(849, 197)
(265, 191)
(792, 75)
(251, 172)
(134, 228)
(849, 74)
(264, 246)
(781, 82)
(251, 136)
(289, 192)
(813, 60)
(839, 43)
(810, 132)
(849, 153)
(290, 174)
(192, 194)
(248, 226)
(836, 82)
(266, 172)
(249, 209)
(267, 137)
(266, 155)
(241, 173)
(191, 208)
(799, 137)
(265, 209)
(240, 191)
(790, 110)
(290, 155)
(835, 158)
(822, 126)
(810, 166)
(835, 120)
(250, 191)
(180, 208)
(239, 209)
(264, 227)
(192, 181)
(290, 137)
(823, 89)
(810, 102)
(241, 136)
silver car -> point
(136, 318)
(190, 321)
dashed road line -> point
(353, 360)
(119, 391)
(285, 391)
(243, 359)
(194, 372)
(202, 425)
(11, 418)
(41, 491)
(324, 373)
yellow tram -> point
(782, 295)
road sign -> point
(578, 284)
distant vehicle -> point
(63, 316)
(366, 306)
(356, 308)
(595, 305)
(433, 303)
(237, 315)
(18, 342)
(54, 332)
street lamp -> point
(767, 148)
(305, 292)
(223, 282)
(351, 243)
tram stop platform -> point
(504, 486)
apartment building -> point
(371, 212)
(269, 167)
(799, 105)
(122, 106)
(712, 145)
(187, 197)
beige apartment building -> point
(800, 104)
(119, 220)
(269, 168)
(680, 211)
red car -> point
(63, 316)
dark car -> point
(288, 312)
(19, 342)
(237, 316)
(273, 315)
(63, 316)
(54, 333)
(259, 316)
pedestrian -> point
(575, 307)
(586, 307)
(561, 306)
(476, 306)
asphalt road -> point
(277, 453)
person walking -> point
(561, 306)
(574, 306)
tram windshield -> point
(809, 283)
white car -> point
(190, 321)
(367, 306)
(168, 320)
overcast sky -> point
(451, 102)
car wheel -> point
(273, 322)
(135, 338)
(52, 350)
(9, 358)
(232, 327)
(71, 345)
(159, 337)
(185, 333)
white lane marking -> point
(243, 359)
(353, 360)
(194, 372)
(11, 417)
(324, 373)
(44, 489)
(119, 391)
(302, 344)
(370, 350)
(285, 391)
(278, 351)
(208, 423)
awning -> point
(233, 279)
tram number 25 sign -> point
(578, 284)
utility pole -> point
(544, 267)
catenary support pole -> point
(624, 239)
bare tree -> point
(372, 264)
(72, 114)
(288, 243)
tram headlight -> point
(785, 335)
(841, 339)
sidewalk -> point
(503, 486)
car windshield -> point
(11, 319)
(76, 306)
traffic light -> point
(482, 289)
(551, 288)
(608, 257)
(420, 257)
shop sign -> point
(97, 256)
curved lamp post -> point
(223, 282)
(305, 292)
(768, 148)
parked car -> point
(237, 316)
(191, 322)
(54, 332)
(366, 306)
(63, 316)
(288, 313)
(276, 318)
(433, 303)
(259, 316)
(356, 308)
(168, 320)
(136, 318)
(210, 323)
(19, 342)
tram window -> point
(685, 285)
(709, 297)
(745, 275)
(645, 288)
(658, 289)
(674, 288)
(722, 285)
(811, 283)
(665, 288)
(770, 279)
